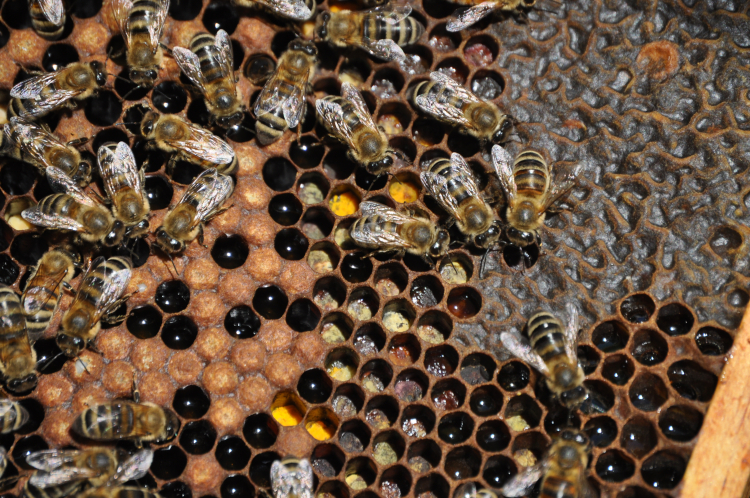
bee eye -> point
(294, 45)
(152, 74)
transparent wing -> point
(111, 288)
(392, 14)
(208, 192)
(437, 187)
(305, 476)
(120, 11)
(438, 104)
(157, 25)
(384, 49)
(134, 467)
(502, 161)
(333, 116)
(562, 186)
(466, 490)
(32, 87)
(190, 65)
(205, 145)
(32, 139)
(118, 170)
(14, 413)
(350, 93)
(292, 105)
(224, 44)
(369, 208)
(453, 86)
(571, 332)
(53, 11)
(51, 459)
(34, 216)
(269, 98)
(291, 9)
(56, 477)
(461, 20)
(462, 171)
(523, 351)
(61, 183)
(520, 483)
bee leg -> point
(200, 236)
(32, 72)
(78, 142)
(136, 392)
(109, 317)
(66, 286)
(170, 164)
(166, 49)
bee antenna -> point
(482, 264)
(173, 265)
(83, 365)
(372, 184)
(124, 97)
(49, 362)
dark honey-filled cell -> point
(602, 431)
(58, 56)
(198, 437)
(230, 251)
(618, 369)
(241, 322)
(692, 381)
(49, 357)
(15, 13)
(303, 315)
(462, 463)
(279, 174)
(455, 428)
(237, 486)
(137, 250)
(498, 470)
(356, 268)
(260, 431)
(369, 182)
(464, 302)
(675, 319)
(614, 466)
(16, 178)
(663, 470)
(232, 453)
(680, 422)
(103, 109)
(441, 361)
(290, 244)
(314, 386)
(270, 302)
(127, 90)
(649, 347)
(285, 209)
(610, 336)
(191, 402)
(559, 418)
(172, 296)
(713, 341)
(169, 98)
(185, 10)
(179, 332)
(638, 437)
(307, 152)
(113, 134)
(168, 463)
(486, 401)
(219, 15)
(36, 416)
(513, 376)
(176, 489)
(8, 270)
(637, 308)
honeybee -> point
(469, 490)
(89, 467)
(141, 23)
(292, 478)
(527, 187)
(282, 101)
(47, 18)
(295, 10)
(122, 419)
(12, 416)
(551, 349)
(451, 183)
(75, 211)
(99, 294)
(17, 357)
(41, 296)
(39, 95)
(202, 200)
(381, 31)
(41, 148)
(123, 182)
(479, 9)
(562, 470)
(383, 229)
(173, 135)
(119, 492)
(447, 101)
(348, 119)
(209, 65)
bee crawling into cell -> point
(17, 357)
(551, 349)
(292, 478)
(47, 18)
(479, 9)
(530, 193)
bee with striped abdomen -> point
(12, 416)
(99, 294)
(210, 66)
(452, 185)
(381, 31)
(527, 185)
(282, 101)
(348, 119)
(141, 23)
(185, 141)
(44, 287)
(449, 102)
(17, 357)
(41, 148)
(551, 349)
(383, 229)
(123, 182)
(479, 9)
(562, 470)
(58, 470)
(292, 478)
(75, 211)
(119, 492)
(202, 200)
(39, 95)
(47, 18)
(295, 10)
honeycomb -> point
(278, 338)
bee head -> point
(528, 3)
(100, 74)
(23, 384)
(229, 121)
(167, 243)
(143, 77)
(309, 48)
(503, 130)
(321, 25)
(488, 238)
(380, 167)
(520, 238)
(70, 346)
(115, 235)
(172, 425)
(440, 246)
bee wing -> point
(502, 161)
(520, 483)
(392, 14)
(190, 65)
(453, 86)
(205, 145)
(562, 187)
(292, 9)
(53, 10)
(305, 477)
(62, 184)
(56, 477)
(118, 170)
(121, 11)
(224, 44)
(384, 49)
(157, 25)
(372, 235)
(51, 459)
(13, 411)
(435, 103)
(571, 332)
(208, 197)
(32, 87)
(32, 138)
(369, 208)
(350, 93)
(463, 172)
(112, 287)
(332, 114)
(294, 104)
(134, 467)
(466, 490)
(523, 351)
(463, 19)
(34, 216)
(437, 187)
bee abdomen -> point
(91, 292)
(141, 16)
(558, 487)
(203, 46)
(405, 32)
(530, 172)
(270, 127)
(133, 493)
(43, 27)
(456, 188)
(546, 336)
